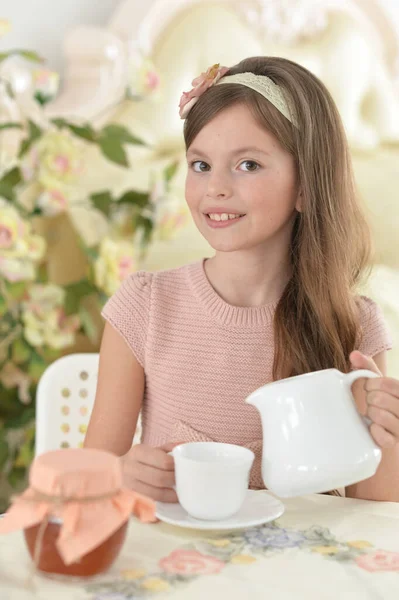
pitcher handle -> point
(350, 378)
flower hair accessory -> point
(259, 83)
(200, 85)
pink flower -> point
(46, 82)
(67, 324)
(52, 202)
(190, 562)
(125, 267)
(152, 80)
(381, 560)
(62, 163)
(200, 85)
(30, 164)
(6, 236)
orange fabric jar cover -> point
(83, 488)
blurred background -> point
(92, 157)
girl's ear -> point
(298, 204)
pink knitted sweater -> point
(202, 357)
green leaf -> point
(25, 454)
(42, 99)
(58, 122)
(34, 132)
(89, 326)
(102, 201)
(4, 451)
(146, 225)
(10, 125)
(36, 367)
(21, 420)
(21, 351)
(16, 476)
(12, 178)
(87, 132)
(113, 150)
(29, 55)
(25, 145)
(41, 273)
(91, 253)
(122, 134)
(50, 354)
(171, 170)
(102, 299)
(17, 290)
(7, 192)
(10, 406)
(3, 306)
(74, 294)
(140, 199)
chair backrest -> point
(64, 401)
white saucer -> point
(259, 507)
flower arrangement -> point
(200, 85)
(41, 319)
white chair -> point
(64, 401)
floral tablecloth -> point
(322, 548)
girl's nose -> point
(219, 186)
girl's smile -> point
(241, 197)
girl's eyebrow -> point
(244, 150)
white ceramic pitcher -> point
(314, 439)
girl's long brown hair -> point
(316, 321)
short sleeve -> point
(128, 311)
(375, 336)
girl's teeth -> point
(222, 216)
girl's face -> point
(241, 185)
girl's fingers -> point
(385, 419)
(155, 493)
(382, 437)
(383, 384)
(154, 457)
(384, 400)
(158, 478)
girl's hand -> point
(378, 399)
(150, 472)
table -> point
(322, 548)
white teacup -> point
(314, 439)
(212, 478)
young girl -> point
(270, 187)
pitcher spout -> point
(257, 399)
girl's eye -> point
(250, 165)
(199, 166)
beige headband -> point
(264, 86)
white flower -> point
(52, 202)
(45, 82)
(143, 78)
(170, 218)
(44, 319)
(170, 215)
(55, 160)
(115, 262)
(20, 249)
